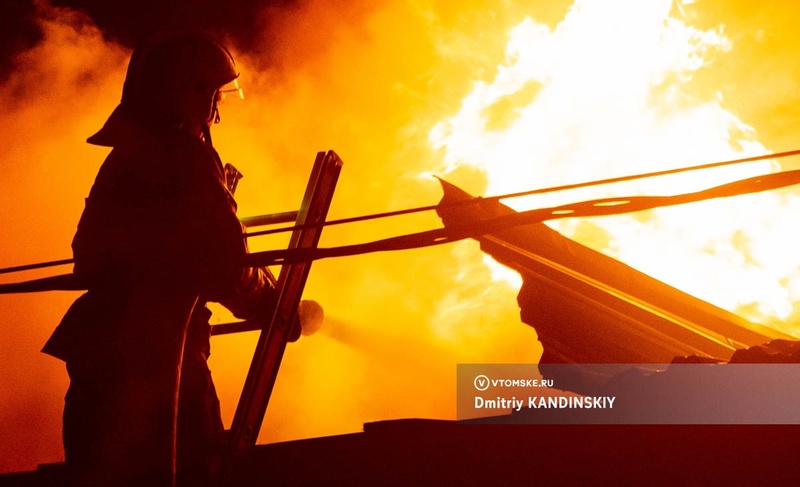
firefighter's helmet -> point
(163, 67)
(172, 80)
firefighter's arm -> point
(255, 296)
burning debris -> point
(589, 308)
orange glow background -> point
(384, 84)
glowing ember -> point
(608, 93)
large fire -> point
(496, 98)
(609, 92)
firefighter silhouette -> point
(158, 238)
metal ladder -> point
(274, 335)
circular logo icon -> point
(481, 382)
